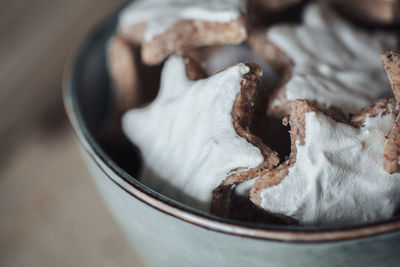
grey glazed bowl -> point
(167, 233)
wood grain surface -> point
(36, 39)
(51, 214)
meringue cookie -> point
(335, 63)
(160, 15)
(187, 136)
(336, 177)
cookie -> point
(123, 72)
(325, 59)
(195, 134)
(228, 202)
(235, 204)
(125, 68)
(333, 175)
(391, 155)
(135, 84)
(164, 27)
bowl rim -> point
(173, 208)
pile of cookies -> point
(201, 84)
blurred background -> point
(51, 214)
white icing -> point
(160, 15)
(230, 55)
(338, 177)
(335, 63)
(186, 134)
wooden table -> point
(51, 214)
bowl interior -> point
(91, 96)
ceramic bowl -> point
(167, 233)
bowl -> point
(168, 233)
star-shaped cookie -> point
(195, 134)
(325, 59)
(334, 174)
(164, 27)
